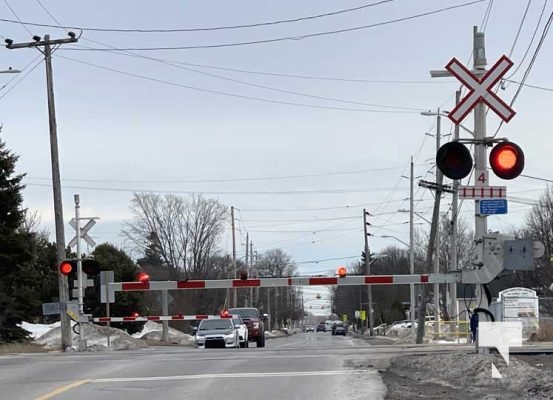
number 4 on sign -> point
(482, 178)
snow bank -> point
(474, 370)
(153, 331)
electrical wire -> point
(520, 28)
(246, 179)
(280, 39)
(227, 94)
(51, 15)
(204, 29)
(274, 89)
(22, 77)
(529, 67)
(18, 19)
(325, 259)
(284, 192)
(529, 44)
(530, 86)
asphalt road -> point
(302, 366)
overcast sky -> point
(299, 135)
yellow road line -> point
(62, 389)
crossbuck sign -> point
(480, 89)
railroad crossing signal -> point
(84, 232)
(480, 89)
(455, 161)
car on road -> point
(329, 324)
(242, 329)
(321, 327)
(217, 333)
(310, 328)
(254, 322)
(339, 328)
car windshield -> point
(215, 324)
(237, 320)
(245, 312)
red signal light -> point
(507, 160)
(66, 267)
(342, 272)
(143, 277)
(135, 314)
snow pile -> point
(153, 331)
(274, 334)
(474, 371)
(95, 336)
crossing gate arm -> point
(360, 280)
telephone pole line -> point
(368, 271)
(56, 180)
(234, 297)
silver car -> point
(217, 333)
(242, 329)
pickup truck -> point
(254, 322)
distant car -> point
(339, 328)
(217, 333)
(321, 327)
(242, 329)
(309, 329)
(329, 324)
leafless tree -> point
(183, 231)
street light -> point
(393, 237)
(10, 70)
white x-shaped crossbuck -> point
(480, 89)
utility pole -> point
(454, 311)
(247, 265)
(439, 180)
(76, 197)
(250, 272)
(412, 250)
(56, 181)
(480, 164)
(368, 271)
(234, 297)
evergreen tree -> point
(15, 250)
(125, 270)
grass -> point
(22, 348)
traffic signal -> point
(507, 160)
(363, 257)
(90, 266)
(143, 277)
(454, 160)
(342, 272)
(67, 267)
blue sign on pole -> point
(493, 206)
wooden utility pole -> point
(368, 271)
(56, 180)
(234, 297)
(247, 265)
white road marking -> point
(234, 375)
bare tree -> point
(184, 232)
(205, 224)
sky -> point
(299, 131)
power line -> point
(530, 86)
(322, 208)
(284, 192)
(18, 19)
(299, 220)
(234, 95)
(274, 89)
(298, 37)
(215, 28)
(529, 44)
(21, 78)
(530, 65)
(325, 259)
(246, 179)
